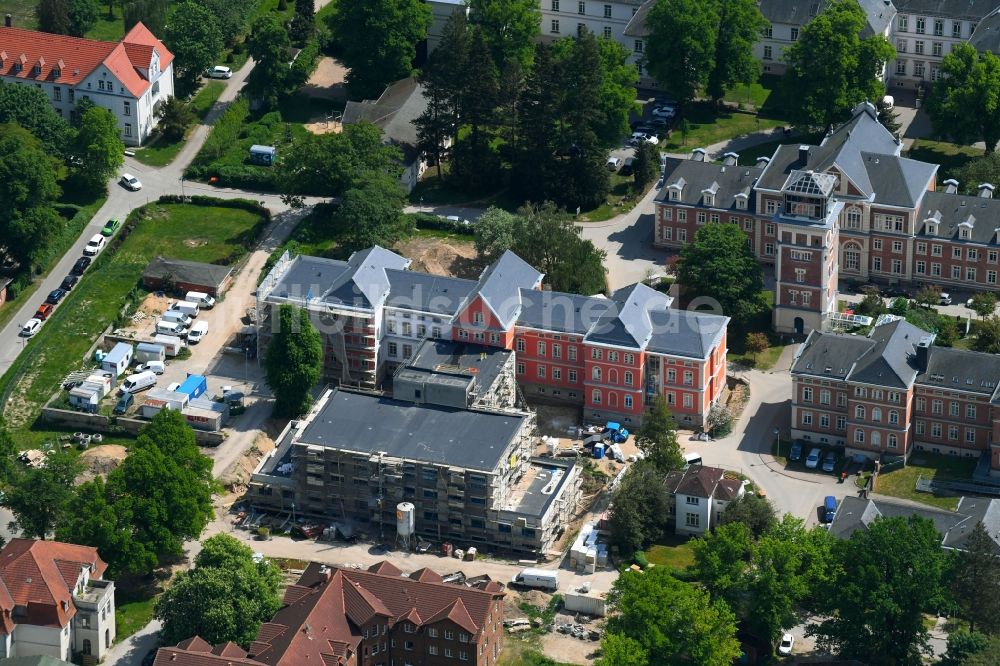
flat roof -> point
(542, 482)
(444, 359)
(367, 423)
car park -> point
(795, 454)
(80, 266)
(69, 282)
(812, 460)
(130, 182)
(110, 227)
(219, 72)
(613, 163)
(95, 245)
(55, 296)
(44, 310)
(198, 331)
(30, 328)
(201, 298)
(829, 461)
(785, 646)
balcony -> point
(93, 593)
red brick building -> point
(373, 617)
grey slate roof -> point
(695, 177)
(427, 293)
(560, 312)
(854, 513)
(829, 354)
(359, 282)
(696, 481)
(972, 10)
(394, 112)
(800, 12)
(637, 24)
(987, 34)
(953, 209)
(501, 283)
(961, 370)
(362, 423)
(182, 270)
(628, 322)
(684, 333)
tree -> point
(982, 169)
(495, 233)
(28, 188)
(962, 644)
(53, 16)
(303, 24)
(30, 108)
(225, 597)
(984, 303)
(396, 26)
(475, 164)
(619, 78)
(872, 304)
(756, 343)
(268, 46)
(645, 166)
(547, 239)
(975, 582)
(739, 26)
(668, 621)
(193, 35)
(680, 49)
(986, 337)
(830, 69)
(899, 306)
(8, 451)
(175, 116)
(657, 437)
(875, 606)
(510, 27)
(372, 212)
(39, 496)
(151, 13)
(719, 264)
(965, 103)
(294, 362)
(927, 296)
(987, 656)
(98, 149)
(231, 16)
(638, 509)
(887, 116)
(751, 510)
(721, 559)
(719, 422)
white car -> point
(220, 72)
(94, 245)
(785, 646)
(664, 112)
(30, 328)
(812, 460)
(197, 332)
(130, 182)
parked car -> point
(812, 460)
(124, 403)
(198, 331)
(628, 167)
(110, 227)
(829, 461)
(664, 112)
(44, 310)
(796, 452)
(69, 282)
(30, 328)
(201, 298)
(613, 163)
(945, 298)
(80, 266)
(219, 72)
(55, 296)
(130, 182)
(896, 292)
(95, 245)
(785, 646)
(156, 367)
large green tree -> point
(294, 361)
(667, 621)
(720, 265)
(192, 34)
(53, 16)
(638, 509)
(225, 597)
(740, 24)
(974, 582)
(40, 496)
(830, 68)
(510, 27)
(721, 559)
(982, 169)
(30, 108)
(657, 437)
(303, 24)
(751, 510)
(883, 579)
(372, 212)
(378, 40)
(680, 49)
(174, 116)
(986, 337)
(232, 17)
(475, 165)
(965, 102)
(151, 13)
(495, 233)
(98, 149)
(268, 45)
(549, 240)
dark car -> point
(124, 403)
(796, 452)
(55, 296)
(897, 292)
(69, 282)
(81, 265)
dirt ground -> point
(327, 81)
(144, 319)
(567, 649)
(440, 256)
(101, 460)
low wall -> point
(66, 418)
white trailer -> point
(539, 578)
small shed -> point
(102, 383)
(157, 399)
(194, 386)
(163, 273)
(85, 397)
(263, 155)
(118, 359)
(205, 414)
(172, 344)
(150, 351)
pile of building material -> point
(586, 553)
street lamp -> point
(777, 442)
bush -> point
(435, 223)
(641, 560)
(224, 133)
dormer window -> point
(675, 195)
(931, 228)
(963, 233)
(741, 202)
(709, 199)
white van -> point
(539, 578)
(177, 316)
(692, 459)
(197, 332)
(187, 307)
(171, 328)
(139, 382)
(201, 298)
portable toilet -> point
(118, 359)
(599, 450)
(263, 155)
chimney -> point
(325, 573)
(763, 161)
(803, 153)
(923, 351)
(731, 159)
(986, 190)
(698, 154)
(950, 186)
(8, 20)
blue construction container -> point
(194, 386)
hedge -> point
(436, 223)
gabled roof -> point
(636, 26)
(879, 13)
(694, 177)
(395, 111)
(500, 286)
(696, 481)
(987, 34)
(829, 354)
(360, 282)
(961, 370)
(181, 270)
(971, 10)
(952, 210)
(629, 322)
(196, 651)
(890, 360)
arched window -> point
(612, 399)
(859, 412)
(612, 376)
(891, 441)
(876, 439)
(628, 378)
(595, 397)
(876, 414)
(628, 402)
(595, 374)
(852, 257)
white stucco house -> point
(130, 78)
(697, 496)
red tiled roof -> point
(197, 651)
(386, 568)
(425, 575)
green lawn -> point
(950, 156)
(182, 231)
(902, 482)
(131, 616)
(676, 553)
(22, 11)
(162, 152)
(707, 127)
(737, 337)
(205, 98)
(108, 29)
